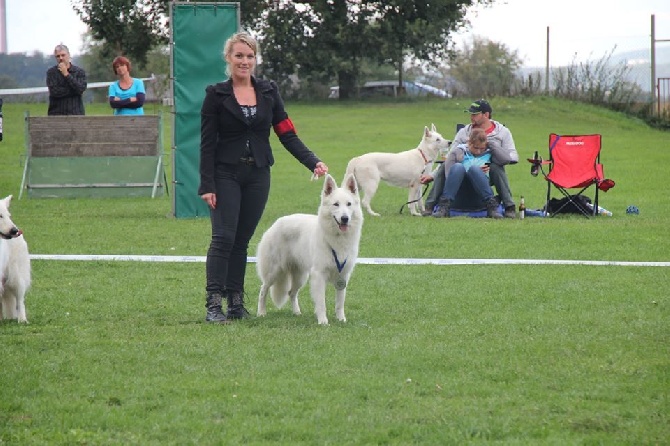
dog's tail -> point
(351, 168)
(279, 290)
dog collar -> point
(423, 156)
(340, 266)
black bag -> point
(569, 207)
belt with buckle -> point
(248, 160)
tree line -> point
(340, 42)
(323, 43)
(334, 42)
(21, 70)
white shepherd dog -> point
(322, 247)
(14, 266)
(398, 169)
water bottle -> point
(601, 210)
(522, 209)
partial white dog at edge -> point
(398, 169)
(14, 266)
(322, 247)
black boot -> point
(428, 211)
(492, 208)
(213, 305)
(442, 209)
(236, 308)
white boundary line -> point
(362, 260)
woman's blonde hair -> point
(240, 37)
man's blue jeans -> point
(467, 190)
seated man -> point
(466, 184)
(503, 152)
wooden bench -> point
(93, 156)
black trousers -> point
(241, 195)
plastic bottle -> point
(522, 209)
(601, 210)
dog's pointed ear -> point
(329, 185)
(426, 132)
(433, 128)
(7, 200)
(351, 184)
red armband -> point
(284, 127)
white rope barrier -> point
(33, 90)
(362, 260)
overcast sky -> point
(587, 28)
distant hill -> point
(641, 71)
(662, 54)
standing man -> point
(503, 152)
(67, 84)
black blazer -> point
(224, 131)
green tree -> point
(125, 27)
(417, 28)
(318, 40)
(485, 68)
(333, 43)
(332, 38)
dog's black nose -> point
(14, 231)
(344, 220)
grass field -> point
(118, 352)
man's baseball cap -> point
(480, 106)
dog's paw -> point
(323, 321)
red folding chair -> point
(574, 163)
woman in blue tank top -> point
(126, 96)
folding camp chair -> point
(574, 163)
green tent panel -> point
(199, 31)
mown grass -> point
(118, 353)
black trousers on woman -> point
(241, 195)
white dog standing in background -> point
(322, 247)
(14, 266)
(398, 169)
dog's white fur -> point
(322, 247)
(398, 169)
(14, 266)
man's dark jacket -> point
(66, 93)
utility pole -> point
(3, 24)
(546, 70)
(653, 60)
